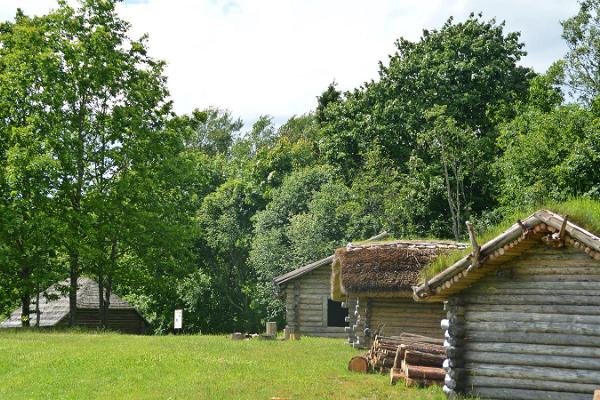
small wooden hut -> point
(54, 310)
(308, 304)
(375, 280)
(523, 317)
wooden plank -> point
(535, 327)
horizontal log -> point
(538, 373)
(532, 338)
(522, 394)
(535, 308)
(426, 359)
(525, 348)
(533, 299)
(538, 360)
(516, 383)
(419, 372)
(535, 327)
(494, 284)
(533, 291)
(475, 316)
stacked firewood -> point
(413, 358)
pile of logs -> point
(413, 358)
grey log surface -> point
(523, 394)
(532, 299)
(487, 381)
(483, 316)
(532, 338)
(533, 360)
(535, 327)
(537, 373)
(526, 348)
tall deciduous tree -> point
(582, 35)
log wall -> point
(125, 321)
(529, 330)
(396, 315)
(306, 304)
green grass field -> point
(55, 365)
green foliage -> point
(470, 67)
(582, 36)
(549, 155)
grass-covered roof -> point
(582, 212)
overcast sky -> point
(275, 56)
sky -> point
(274, 57)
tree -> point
(224, 242)
(469, 67)
(211, 131)
(582, 35)
(28, 169)
(330, 95)
(97, 112)
(459, 153)
(549, 155)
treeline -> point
(99, 177)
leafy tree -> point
(225, 239)
(330, 95)
(459, 153)
(272, 244)
(549, 155)
(211, 131)
(28, 169)
(470, 67)
(582, 35)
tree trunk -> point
(37, 306)
(73, 277)
(25, 309)
(101, 299)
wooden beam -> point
(476, 248)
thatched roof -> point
(54, 305)
(385, 268)
(542, 225)
(298, 272)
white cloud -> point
(275, 56)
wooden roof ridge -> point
(298, 272)
(540, 221)
(415, 244)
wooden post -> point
(474, 244)
(271, 328)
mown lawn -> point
(59, 365)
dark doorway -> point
(336, 314)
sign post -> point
(178, 321)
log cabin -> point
(375, 281)
(523, 313)
(54, 310)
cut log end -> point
(359, 364)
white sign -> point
(178, 319)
